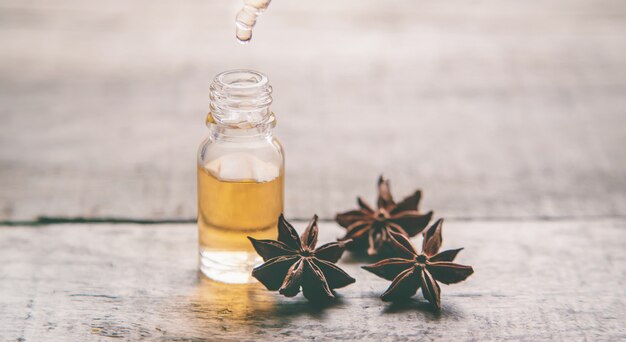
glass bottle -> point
(240, 176)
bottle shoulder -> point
(278, 145)
(268, 149)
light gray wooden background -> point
(510, 115)
(497, 109)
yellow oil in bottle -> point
(228, 212)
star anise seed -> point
(410, 270)
(370, 229)
(293, 262)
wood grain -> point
(534, 281)
(497, 109)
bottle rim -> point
(243, 79)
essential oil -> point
(240, 176)
(246, 18)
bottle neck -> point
(240, 106)
(241, 130)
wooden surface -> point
(558, 281)
(496, 108)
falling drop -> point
(246, 18)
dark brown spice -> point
(410, 270)
(370, 229)
(293, 262)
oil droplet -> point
(246, 18)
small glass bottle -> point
(240, 176)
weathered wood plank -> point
(534, 281)
(495, 108)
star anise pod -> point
(369, 228)
(410, 270)
(293, 262)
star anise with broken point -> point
(293, 262)
(412, 270)
(370, 229)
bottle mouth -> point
(240, 96)
(241, 79)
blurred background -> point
(495, 108)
